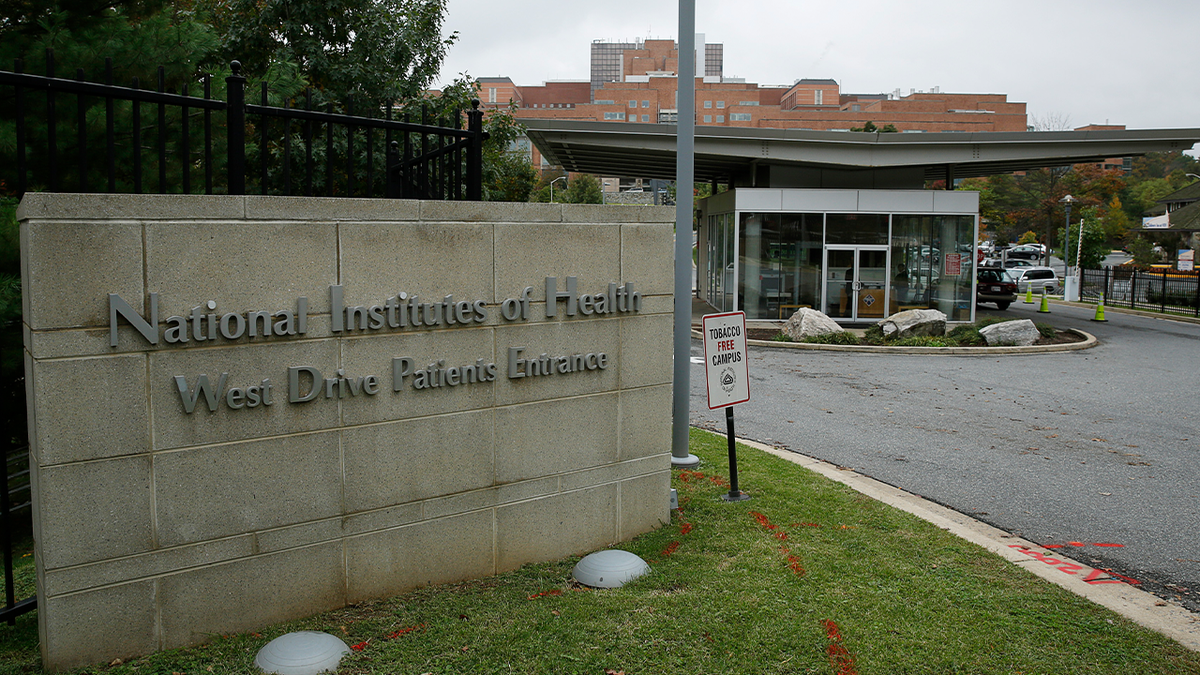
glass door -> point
(856, 288)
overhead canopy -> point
(796, 158)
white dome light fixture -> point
(301, 653)
(609, 569)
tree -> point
(870, 127)
(1143, 251)
(377, 51)
(583, 189)
(1115, 223)
(1030, 237)
(1095, 242)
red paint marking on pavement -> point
(1075, 543)
(1051, 545)
(1121, 576)
(1110, 545)
(1094, 576)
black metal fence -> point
(15, 520)
(1167, 291)
(80, 136)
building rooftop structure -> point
(830, 159)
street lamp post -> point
(552, 187)
(1068, 201)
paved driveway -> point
(1098, 447)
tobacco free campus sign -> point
(725, 359)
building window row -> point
(739, 117)
(614, 116)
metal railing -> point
(80, 136)
(1167, 291)
(15, 516)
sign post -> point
(728, 377)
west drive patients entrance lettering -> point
(305, 383)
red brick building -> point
(644, 93)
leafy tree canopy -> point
(870, 127)
(380, 50)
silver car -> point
(1035, 277)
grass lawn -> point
(806, 577)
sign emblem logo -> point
(728, 379)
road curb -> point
(1089, 341)
(1145, 609)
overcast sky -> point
(1094, 61)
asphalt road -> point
(1099, 446)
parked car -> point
(1037, 278)
(1018, 263)
(992, 284)
(1026, 252)
(1009, 264)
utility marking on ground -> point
(1080, 544)
(839, 657)
(1094, 576)
(793, 561)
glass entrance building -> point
(856, 255)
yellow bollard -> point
(1045, 308)
(1029, 294)
(1100, 310)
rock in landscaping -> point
(913, 323)
(1020, 333)
(809, 323)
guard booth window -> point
(780, 263)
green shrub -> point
(966, 335)
(874, 335)
(782, 337)
(922, 341)
(1046, 329)
(844, 337)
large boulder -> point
(808, 322)
(914, 322)
(1021, 333)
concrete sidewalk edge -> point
(1104, 589)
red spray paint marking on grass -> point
(671, 548)
(792, 560)
(839, 658)
(402, 631)
(545, 593)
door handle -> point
(857, 286)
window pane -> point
(857, 228)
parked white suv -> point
(1037, 277)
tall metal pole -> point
(685, 155)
